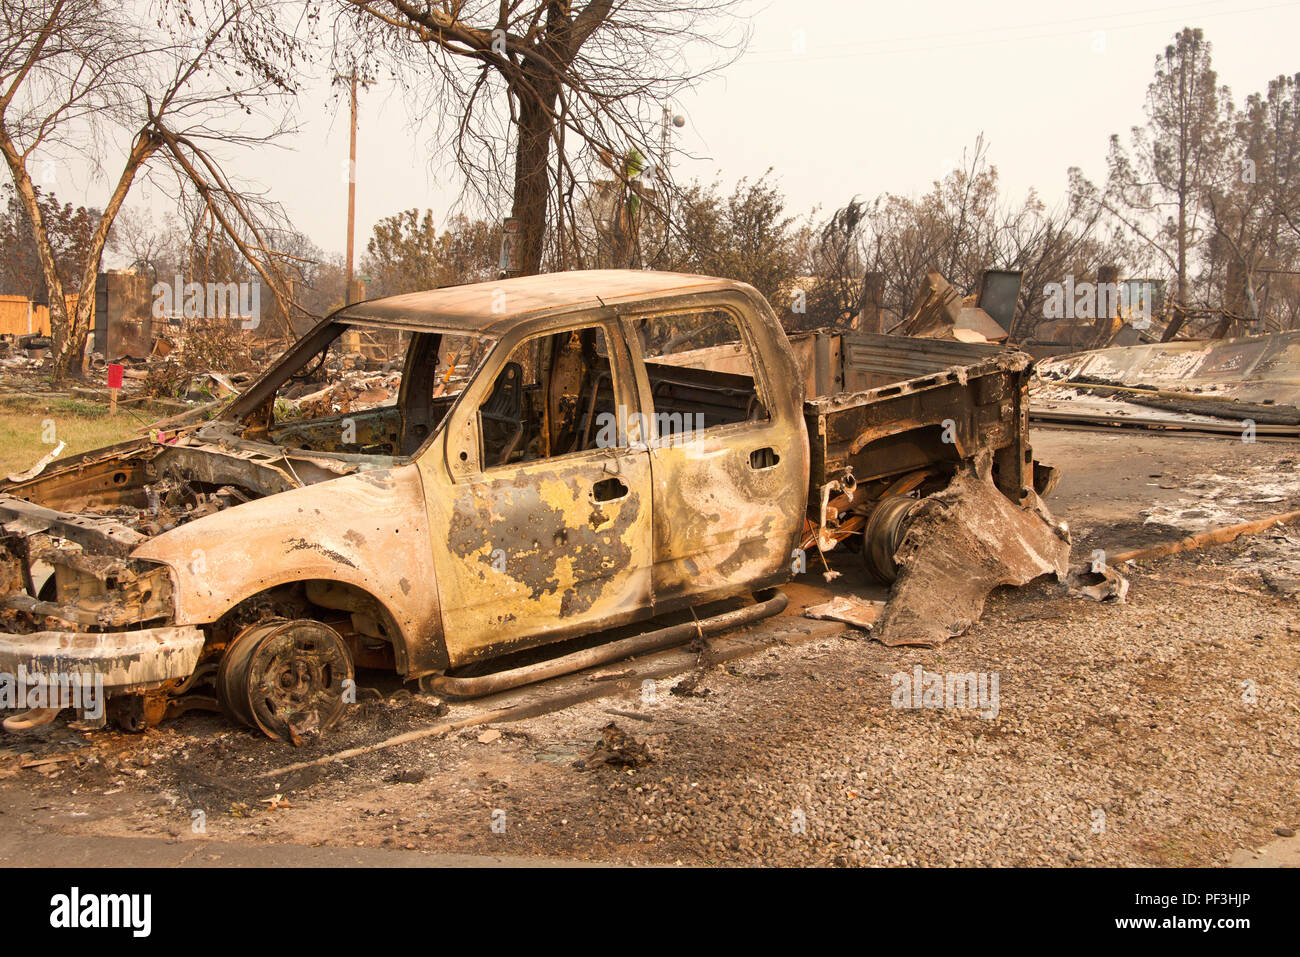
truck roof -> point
(481, 307)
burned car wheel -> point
(886, 528)
(286, 678)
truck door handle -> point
(763, 458)
(608, 490)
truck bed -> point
(886, 406)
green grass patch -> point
(28, 424)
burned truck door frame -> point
(543, 549)
(723, 512)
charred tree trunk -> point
(70, 329)
(54, 292)
(533, 171)
(537, 88)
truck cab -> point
(575, 477)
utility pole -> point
(666, 123)
(350, 293)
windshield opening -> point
(365, 391)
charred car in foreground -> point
(565, 454)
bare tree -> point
(76, 75)
(837, 262)
(1255, 206)
(552, 82)
(1157, 189)
(952, 228)
(1048, 245)
(965, 206)
(961, 227)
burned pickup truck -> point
(566, 454)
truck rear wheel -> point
(288, 679)
(886, 526)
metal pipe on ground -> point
(1215, 536)
(660, 638)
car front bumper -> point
(117, 661)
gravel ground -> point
(1162, 731)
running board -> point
(767, 604)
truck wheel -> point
(885, 529)
(286, 678)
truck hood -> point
(152, 486)
(105, 521)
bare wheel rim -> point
(286, 678)
(886, 527)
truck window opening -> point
(548, 398)
(701, 370)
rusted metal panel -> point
(722, 524)
(961, 543)
(538, 550)
(1263, 369)
(24, 518)
(891, 360)
(92, 592)
(500, 306)
(728, 500)
(941, 422)
(123, 315)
